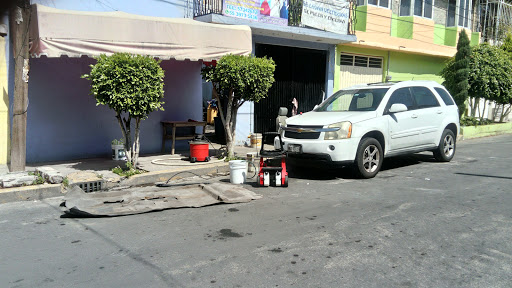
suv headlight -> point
(343, 133)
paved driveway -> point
(417, 224)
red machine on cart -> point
(272, 164)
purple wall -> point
(64, 122)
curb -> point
(29, 193)
(162, 176)
(39, 192)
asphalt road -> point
(417, 224)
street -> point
(419, 223)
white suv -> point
(365, 123)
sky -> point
(158, 8)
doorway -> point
(300, 74)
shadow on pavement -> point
(348, 172)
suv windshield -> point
(353, 100)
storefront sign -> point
(328, 15)
(264, 11)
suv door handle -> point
(414, 116)
(439, 111)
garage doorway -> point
(358, 69)
(300, 73)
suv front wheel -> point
(369, 158)
(446, 149)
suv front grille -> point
(303, 135)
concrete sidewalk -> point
(160, 168)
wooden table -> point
(176, 124)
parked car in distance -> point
(366, 123)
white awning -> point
(55, 32)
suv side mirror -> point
(397, 107)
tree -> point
(456, 73)
(507, 47)
(489, 75)
(132, 86)
(238, 79)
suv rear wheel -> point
(446, 149)
(369, 157)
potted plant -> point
(118, 152)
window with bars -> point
(422, 8)
(464, 15)
(380, 3)
(360, 61)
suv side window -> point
(403, 96)
(424, 97)
(445, 96)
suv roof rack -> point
(383, 83)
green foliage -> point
(131, 85)
(249, 77)
(65, 182)
(128, 171)
(227, 159)
(490, 76)
(118, 142)
(127, 83)
(473, 121)
(461, 71)
(507, 44)
(456, 72)
(39, 180)
(238, 79)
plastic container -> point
(237, 171)
(256, 140)
(118, 152)
(199, 151)
(211, 113)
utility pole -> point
(19, 16)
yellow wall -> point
(378, 36)
(4, 106)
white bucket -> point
(256, 140)
(237, 171)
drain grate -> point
(91, 186)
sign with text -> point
(328, 15)
(264, 11)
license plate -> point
(294, 148)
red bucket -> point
(199, 151)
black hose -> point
(166, 184)
(255, 170)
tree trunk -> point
(136, 143)
(125, 128)
(483, 111)
(505, 112)
(228, 125)
(474, 106)
(19, 22)
(230, 140)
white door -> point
(404, 127)
(358, 69)
(430, 115)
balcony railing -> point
(205, 7)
